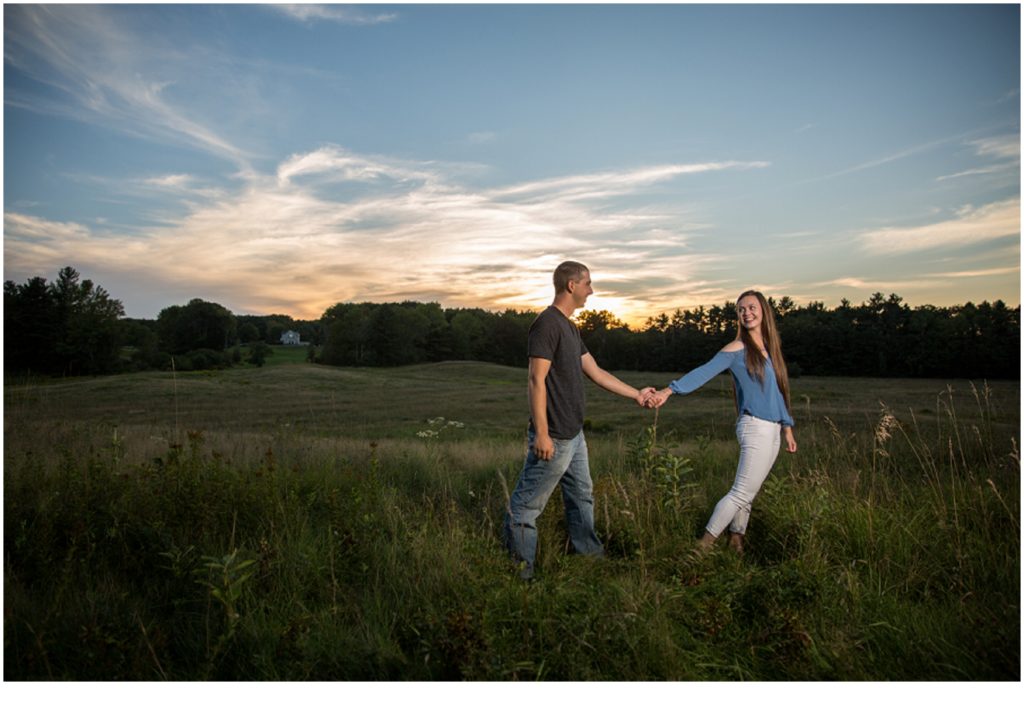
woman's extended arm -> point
(705, 373)
(695, 378)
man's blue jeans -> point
(570, 468)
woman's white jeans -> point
(759, 446)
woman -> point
(762, 401)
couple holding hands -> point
(557, 449)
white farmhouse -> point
(290, 338)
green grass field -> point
(287, 522)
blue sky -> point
(279, 159)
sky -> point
(281, 159)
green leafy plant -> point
(666, 470)
(224, 579)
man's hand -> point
(543, 446)
(657, 399)
(643, 397)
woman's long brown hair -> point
(772, 343)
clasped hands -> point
(651, 398)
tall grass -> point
(886, 548)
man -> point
(557, 449)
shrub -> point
(208, 359)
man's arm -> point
(607, 381)
(537, 392)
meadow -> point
(303, 522)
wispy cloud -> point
(970, 225)
(797, 234)
(187, 187)
(972, 171)
(875, 285)
(876, 162)
(1004, 149)
(609, 184)
(336, 163)
(332, 225)
(175, 181)
(333, 13)
(985, 272)
(922, 282)
(888, 158)
(103, 72)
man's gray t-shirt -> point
(555, 338)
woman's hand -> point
(658, 398)
(787, 436)
(643, 397)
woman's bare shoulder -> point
(736, 345)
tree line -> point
(73, 327)
(881, 337)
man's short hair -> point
(569, 270)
